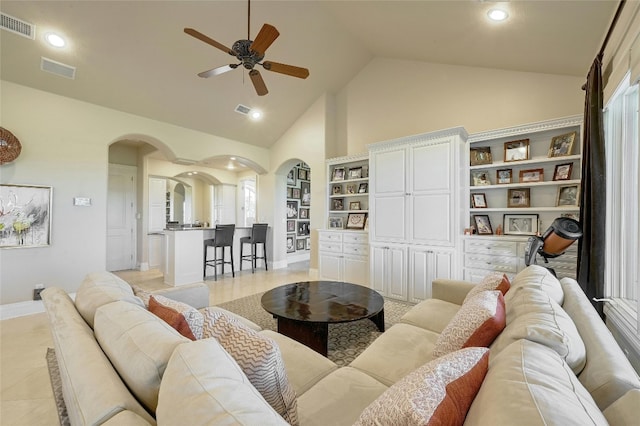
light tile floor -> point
(26, 397)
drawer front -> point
(357, 249)
(491, 263)
(330, 246)
(477, 275)
(355, 238)
(335, 237)
(498, 248)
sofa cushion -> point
(100, 288)
(532, 383)
(625, 410)
(203, 385)
(431, 314)
(538, 277)
(439, 392)
(260, 359)
(493, 281)
(184, 318)
(533, 315)
(477, 323)
(139, 345)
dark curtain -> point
(591, 261)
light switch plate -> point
(81, 201)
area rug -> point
(346, 340)
(56, 385)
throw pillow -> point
(477, 323)
(184, 318)
(141, 293)
(439, 392)
(493, 281)
(259, 358)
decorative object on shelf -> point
(483, 224)
(562, 145)
(520, 224)
(303, 228)
(531, 175)
(10, 146)
(289, 192)
(478, 201)
(295, 193)
(292, 209)
(355, 173)
(356, 220)
(291, 245)
(354, 205)
(480, 155)
(25, 215)
(480, 177)
(304, 213)
(336, 190)
(302, 174)
(499, 229)
(504, 176)
(307, 244)
(363, 188)
(519, 197)
(291, 226)
(516, 150)
(351, 188)
(300, 243)
(336, 222)
(568, 195)
(338, 173)
(305, 188)
(291, 177)
(563, 171)
(573, 216)
(337, 204)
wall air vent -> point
(242, 109)
(17, 26)
(58, 68)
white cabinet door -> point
(389, 270)
(388, 183)
(425, 265)
(331, 266)
(156, 251)
(157, 204)
(356, 270)
(378, 258)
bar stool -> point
(223, 237)
(258, 236)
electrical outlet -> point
(36, 293)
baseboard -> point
(279, 264)
(21, 309)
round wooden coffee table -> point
(305, 309)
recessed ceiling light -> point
(55, 40)
(255, 114)
(497, 15)
(232, 158)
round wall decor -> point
(9, 146)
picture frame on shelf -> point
(483, 224)
(291, 244)
(356, 220)
(355, 173)
(520, 224)
(303, 213)
(289, 192)
(563, 171)
(568, 195)
(531, 175)
(562, 145)
(307, 244)
(480, 177)
(478, 201)
(480, 155)
(303, 228)
(519, 197)
(302, 174)
(354, 205)
(336, 222)
(516, 150)
(291, 177)
(363, 188)
(351, 188)
(338, 174)
(337, 204)
(291, 226)
(295, 193)
(292, 209)
(27, 215)
(336, 190)
(504, 176)
(305, 197)
(300, 244)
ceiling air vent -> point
(17, 26)
(242, 109)
(58, 68)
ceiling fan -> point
(250, 53)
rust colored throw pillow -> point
(440, 392)
(477, 323)
(184, 318)
(493, 281)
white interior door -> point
(121, 218)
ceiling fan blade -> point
(208, 40)
(217, 71)
(258, 82)
(265, 37)
(286, 69)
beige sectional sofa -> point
(122, 365)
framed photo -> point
(291, 243)
(563, 171)
(480, 155)
(354, 205)
(307, 244)
(561, 145)
(303, 213)
(532, 175)
(300, 243)
(291, 226)
(520, 224)
(302, 174)
(351, 188)
(336, 222)
(516, 150)
(295, 193)
(356, 220)
(292, 209)
(504, 176)
(520, 197)
(363, 188)
(355, 173)
(336, 190)
(480, 177)
(303, 228)
(291, 177)
(568, 195)
(305, 188)
(478, 201)
(337, 204)
(338, 173)
(483, 224)
(289, 192)
(26, 216)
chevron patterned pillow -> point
(259, 358)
